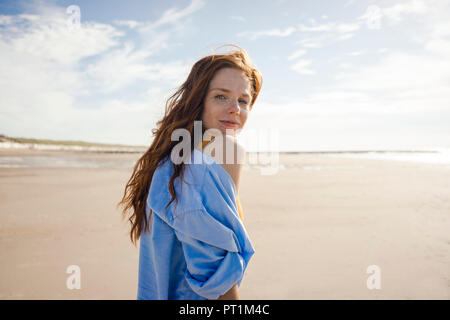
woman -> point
(195, 248)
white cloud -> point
(121, 67)
(238, 18)
(401, 98)
(6, 20)
(50, 37)
(356, 53)
(402, 83)
(440, 28)
(173, 15)
(345, 36)
(438, 46)
(44, 76)
(297, 54)
(301, 67)
(349, 2)
(313, 42)
(399, 11)
(315, 28)
(345, 65)
(43, 73)
(253, 35)
(323, 39)
(331, 26)
(347, 27)
(407, 81)
(127, 23)
(327, 33)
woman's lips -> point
(229, 124)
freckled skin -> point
(232, 105)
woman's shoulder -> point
(231, 158)
(234, 167)
(234, 170)
(229, 151)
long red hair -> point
(182, 108)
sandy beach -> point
(316, 226)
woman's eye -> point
(222, 97)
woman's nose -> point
(234, 106)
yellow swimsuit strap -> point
(205, 142)
(239, 208)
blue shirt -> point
(196, 249)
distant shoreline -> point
(12, 143)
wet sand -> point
(316, 226)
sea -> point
(100, 157)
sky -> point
(337, 75)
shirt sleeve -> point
(211, 271)
(215, 243)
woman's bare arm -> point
(232, 294)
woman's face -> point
(227, 101)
